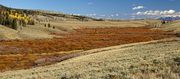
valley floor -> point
(24, 54)
(91, 53)
(145, 60)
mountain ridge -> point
(169, 18)
(13, 17)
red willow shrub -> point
(17, 54)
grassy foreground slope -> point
(146, 60)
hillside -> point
(14, 18)
(42, 13)
(19, 18)
(150, 60)
(38, 24)
(39, 44)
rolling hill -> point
(38, 44)
(40, 24)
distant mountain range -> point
(169, 18)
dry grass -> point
(173, 27)
(147, 60)
(7, 33)
(17, 54)
(69, 25)
(38, 31)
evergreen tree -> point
(49, 25)
(14, 24)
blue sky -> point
(117, 9)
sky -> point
(115, 9)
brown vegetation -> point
(18, 54)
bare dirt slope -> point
(150, 60)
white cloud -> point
(102, 15)
(171, 11)
(91, 15)
(77, 14)
(138, 7)
(112, 15)
(157, 12)
(133, 17)
(117, 14)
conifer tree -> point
(14, 24)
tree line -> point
(13, 19)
